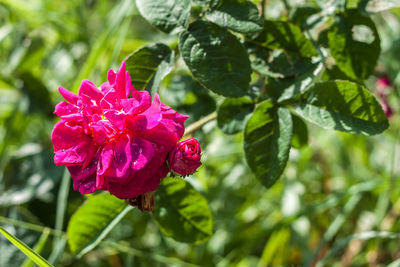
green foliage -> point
(300, 132)
(168, 16)
(300, 14)
(181, 212)
(343, 106)
(356, 58)
(25, 249)
(267, 138)
(216, 58)
(93, 221)
(149, 65)
(256, 67)
(283, 89)
(237, 15)
(232, 114)
(285, 36)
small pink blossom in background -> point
(382, 83)
(185, 157)
(110, 141)
(382, 89)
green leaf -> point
(232, 114)
(149, 65)
(300, 14)
(267, 138)
(181, 212)
(37, 93)
(210, 3)
(334, 73)
(25, 249)
(216, 58)
(287, 88)
(93, 221)
(300, 132)
(287, 64)
(343, 106)
(350, 44)
(187, 96)
(238, 15)
(285, 36)
(38, 247)
(169, 16)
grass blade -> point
(39, 260)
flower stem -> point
(198, 124)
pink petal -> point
(122, 85)
(70, 97)
(143, 181)
(116, 118)
(105, 87)
(89, 92)
(106, 158)
(64, 109)
(111, 100)
(86, 186)
(146, 120)
(140, 101)
(122, 159)
(111, 76)
(84, 179)
(71, 145)
(102, 131)
(168, 132)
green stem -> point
(198, 124)
(287, 7)
(33, 227)
(135, 252)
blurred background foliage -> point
(339, 186)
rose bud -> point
(184, 159)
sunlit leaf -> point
(232, 114)
(24, 248)
(355, 44)
(300, 14)
(216, 58)
(181, 212)
(237, 15)
(170, 16)
(283, 89)
(149, 65)
(38, 247)
(343, 106)
(267, 138)
(285, 36)
(300, 132)
(93, 221)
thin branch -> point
(287, 7)
(198, 124)
(262, 7)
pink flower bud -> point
(185, 158)
(383, 82)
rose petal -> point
(71, 145)
(122, 84)
(70, 97)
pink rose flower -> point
(383, 89)
(185, 158)
(110, 141)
